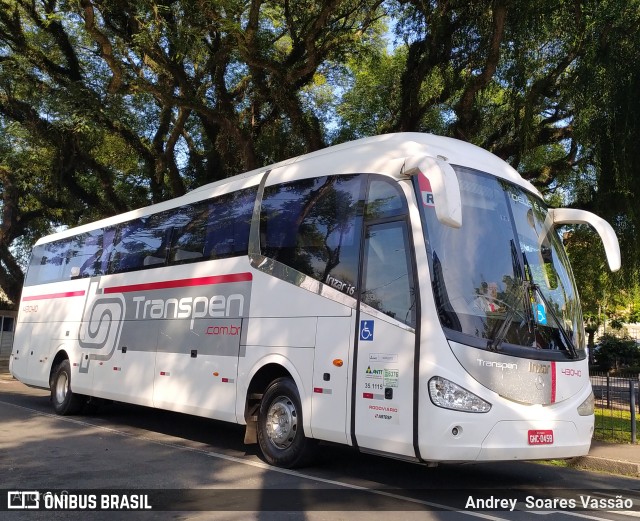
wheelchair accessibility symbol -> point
(540, 313)
(366, 330)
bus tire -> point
(65, 401)
(280, 434)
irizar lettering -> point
(341, 286)
(217, 306)
(538, 368)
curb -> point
(623, 468)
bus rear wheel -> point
(280, 434)
(64, 400)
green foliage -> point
(107, 106)
(612, 426)
(608, 122)
(371, 105)
(115, 105)
(616, 353)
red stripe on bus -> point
(54, 295)
(181, 283)
(553, 382)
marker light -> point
(586, 408)
(448, 395)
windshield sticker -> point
(522, 199)
(425, 191)
(540, 313)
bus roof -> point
(378, 154)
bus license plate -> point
(541, 437)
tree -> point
(495, 73)
(128, 103)
(617, 353)
(108, 106)
(607, 123)
(549, 86)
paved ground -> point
(195, 469)
(622, 459)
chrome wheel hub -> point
(282, 422)
(62, 388)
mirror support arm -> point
(444, 184)
(562, 216)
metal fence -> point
(616, 407)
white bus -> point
(404, 294)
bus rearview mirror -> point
(444, 185)
(562, 216)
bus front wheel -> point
(280, 434)
(65, 401)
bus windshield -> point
(502, 281)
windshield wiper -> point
(522, 292)
(536, 291)
(499, 336)
(527, 293)
(570, 346)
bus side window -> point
(229, 224)
(48, 262)
(314, 226)
(387, 276)
(387, 273)
(385, 199)
(187, 240)
(141, 243)
(88, 248)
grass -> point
(613, 426)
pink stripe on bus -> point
(181, 283)
(54, 295)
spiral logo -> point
(101, 327)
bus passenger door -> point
(334, 339)
(383, 399)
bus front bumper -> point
(526, 440)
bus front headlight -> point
(586, 408)
(444, 393)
